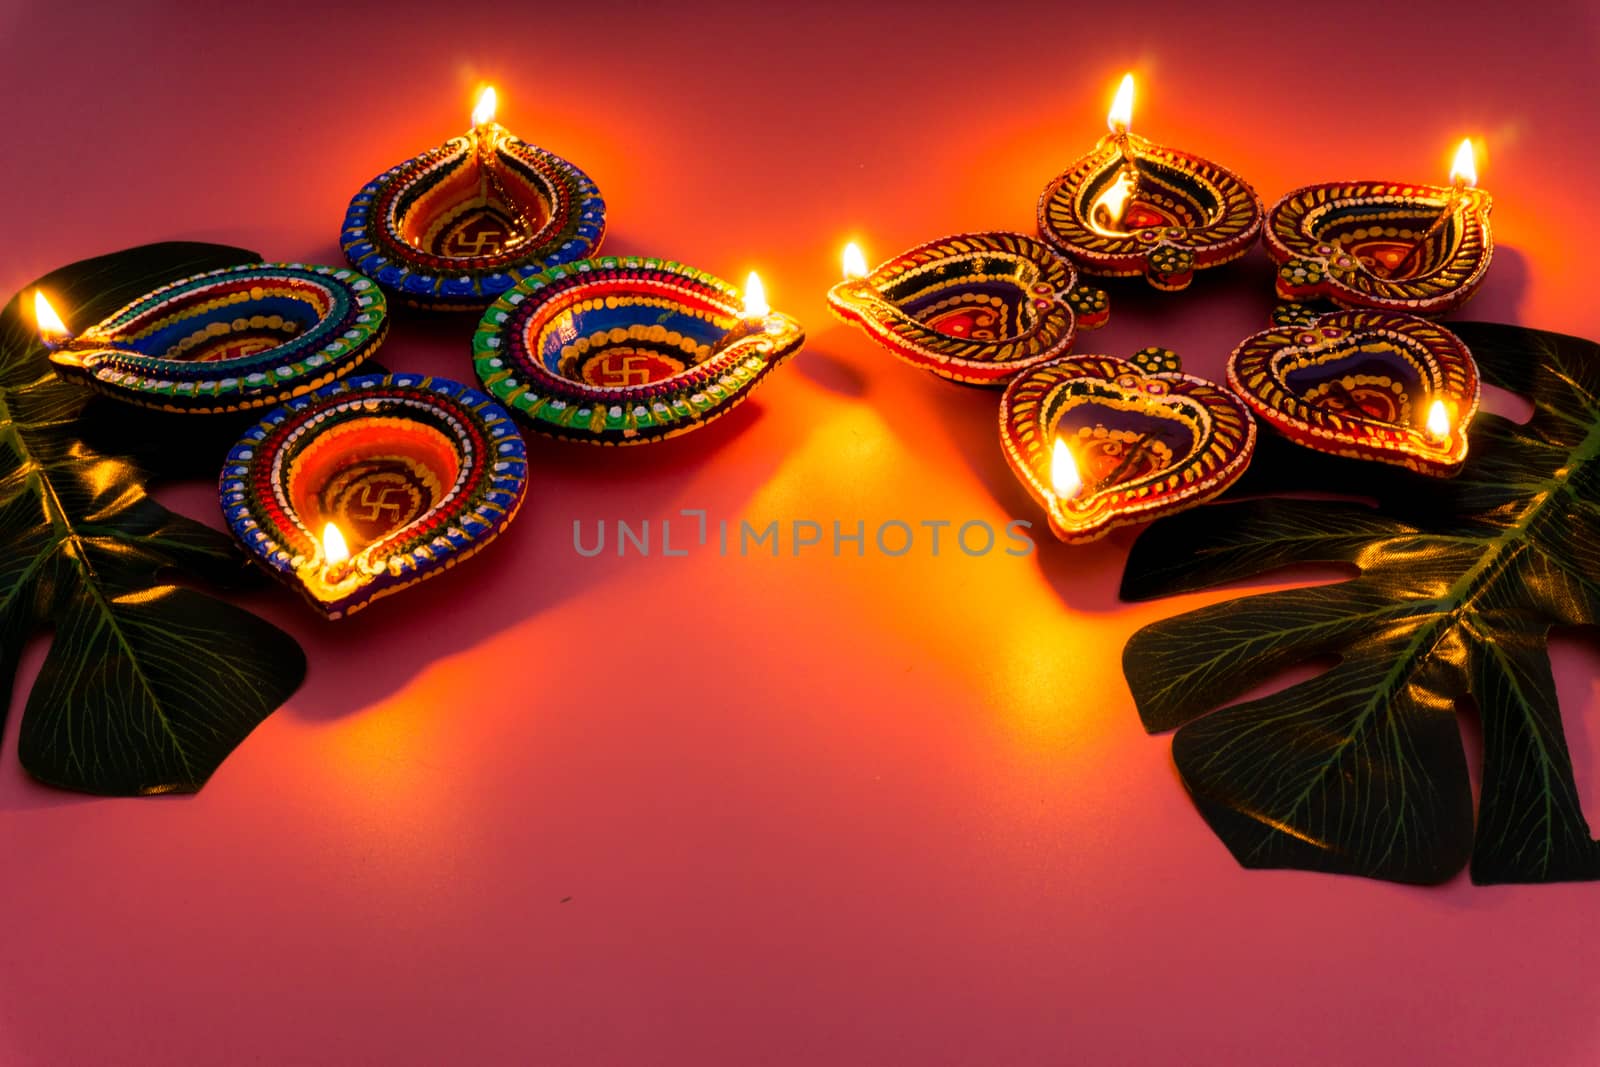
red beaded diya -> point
(372, 484)
(1103, 442)
(1422, 249)
(1366, 384)
(1132, 207)
(458, 225)
(975, 308)
(622, 351)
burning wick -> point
(334, 551)
(1463, 175)
(1438, 421)
(1114, 200)
(1065, 482)
(855, 262)
(486, 135)
(52, 330)
(755, 298)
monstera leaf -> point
(147, 685)
(1361, 768)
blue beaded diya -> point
(372, 484)
(619, 351)
(460, 224)
(236, 338)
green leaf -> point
(1361, 769)
(147, 685)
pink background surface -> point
(558, 810)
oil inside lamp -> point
(1065, 480)
(51, 329)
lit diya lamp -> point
(1422, 249)
(460, 224)
(975, 308)
(1103, 442)
(371, 484)
(1366, 384)
(621, 351)
(1132, 207)
(240, 337)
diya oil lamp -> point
(975, 308)
(372, 484)
(1366, 384)
(1422, 249)
(460, 224)
(625, 350)
(1102, 442)
(1132, 207)
(241, 337)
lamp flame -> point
(334, 550)
(51, 328)
(1115, 198)
(483, 110)
(755, 298)
(1464, 171)
(1065, 481)
(1438, 421)
(1120, 117)
(855, 262)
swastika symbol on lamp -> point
(381, 502)
(628, 367)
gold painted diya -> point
(1420, 249)
(1101, 442)
(1132, 207)
(1365, 384)
(976, 308)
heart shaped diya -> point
(975, 308)
(1367, 384)
(621, 351)
(1102, 442)
(1132, 207)
(372, 484)
(1422, 249)
(240, 337)
(458, 225)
